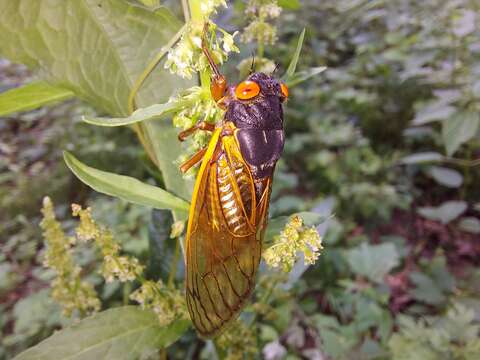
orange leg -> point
(195, 159)
(202, 125)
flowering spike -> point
(67, 288)
(295, 238)
(167, 303)
(122, 268)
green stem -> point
(462, 162)
(197, 17)
(261, 48)
(127, 289)
(186, 12)
(173, 265)
(265, 298)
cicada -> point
(229, 207)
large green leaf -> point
(120, 333)
(150, 3)
(422, 157)
(446, 212)
(373, 261)
(31, 96)
(98, 50)
(153, 112)
(460, 128)
(470, 224)
(425, 289)
(445, 176)
(125, 187)
(289, 4)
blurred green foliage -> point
(388, 136)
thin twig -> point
(462, 162)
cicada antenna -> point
(252, 66)
(218, 83)
(214, 66)
(277, 65)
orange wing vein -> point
(224, 236)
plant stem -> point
(265, 299)
(163, 354)
(173, 265)
(260, 49)
(197, 17)
(186, 12)
(139, 130)
(462, 162)
(127, 289)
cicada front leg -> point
(198, 156)
(202, 125)
(194, 160)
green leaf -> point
(433, 112)
(289, 4)
(153, 112)
(98, 50)
(304, 75)
(460, 128)
(470, 224)
(161, 246)
(31, 96)
(448, 211)
(336, 341)
(61, 39)
(296, 55)
(125, 187)
(445, 176)
(373, 261)
(425, 289)
(150, 3)
(422, 157)
(120, 333)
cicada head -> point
(256, 102)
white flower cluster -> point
(202, 108)
(122, 268)
(187, 58)
(295, 238)
(209, 7)
(259, 29)
(68, 289)
(167, 303)
(114, 266)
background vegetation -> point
(387, 139)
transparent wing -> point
(224, 237)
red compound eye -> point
(284, 89)
(247, 90)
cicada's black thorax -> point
(259, 123)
